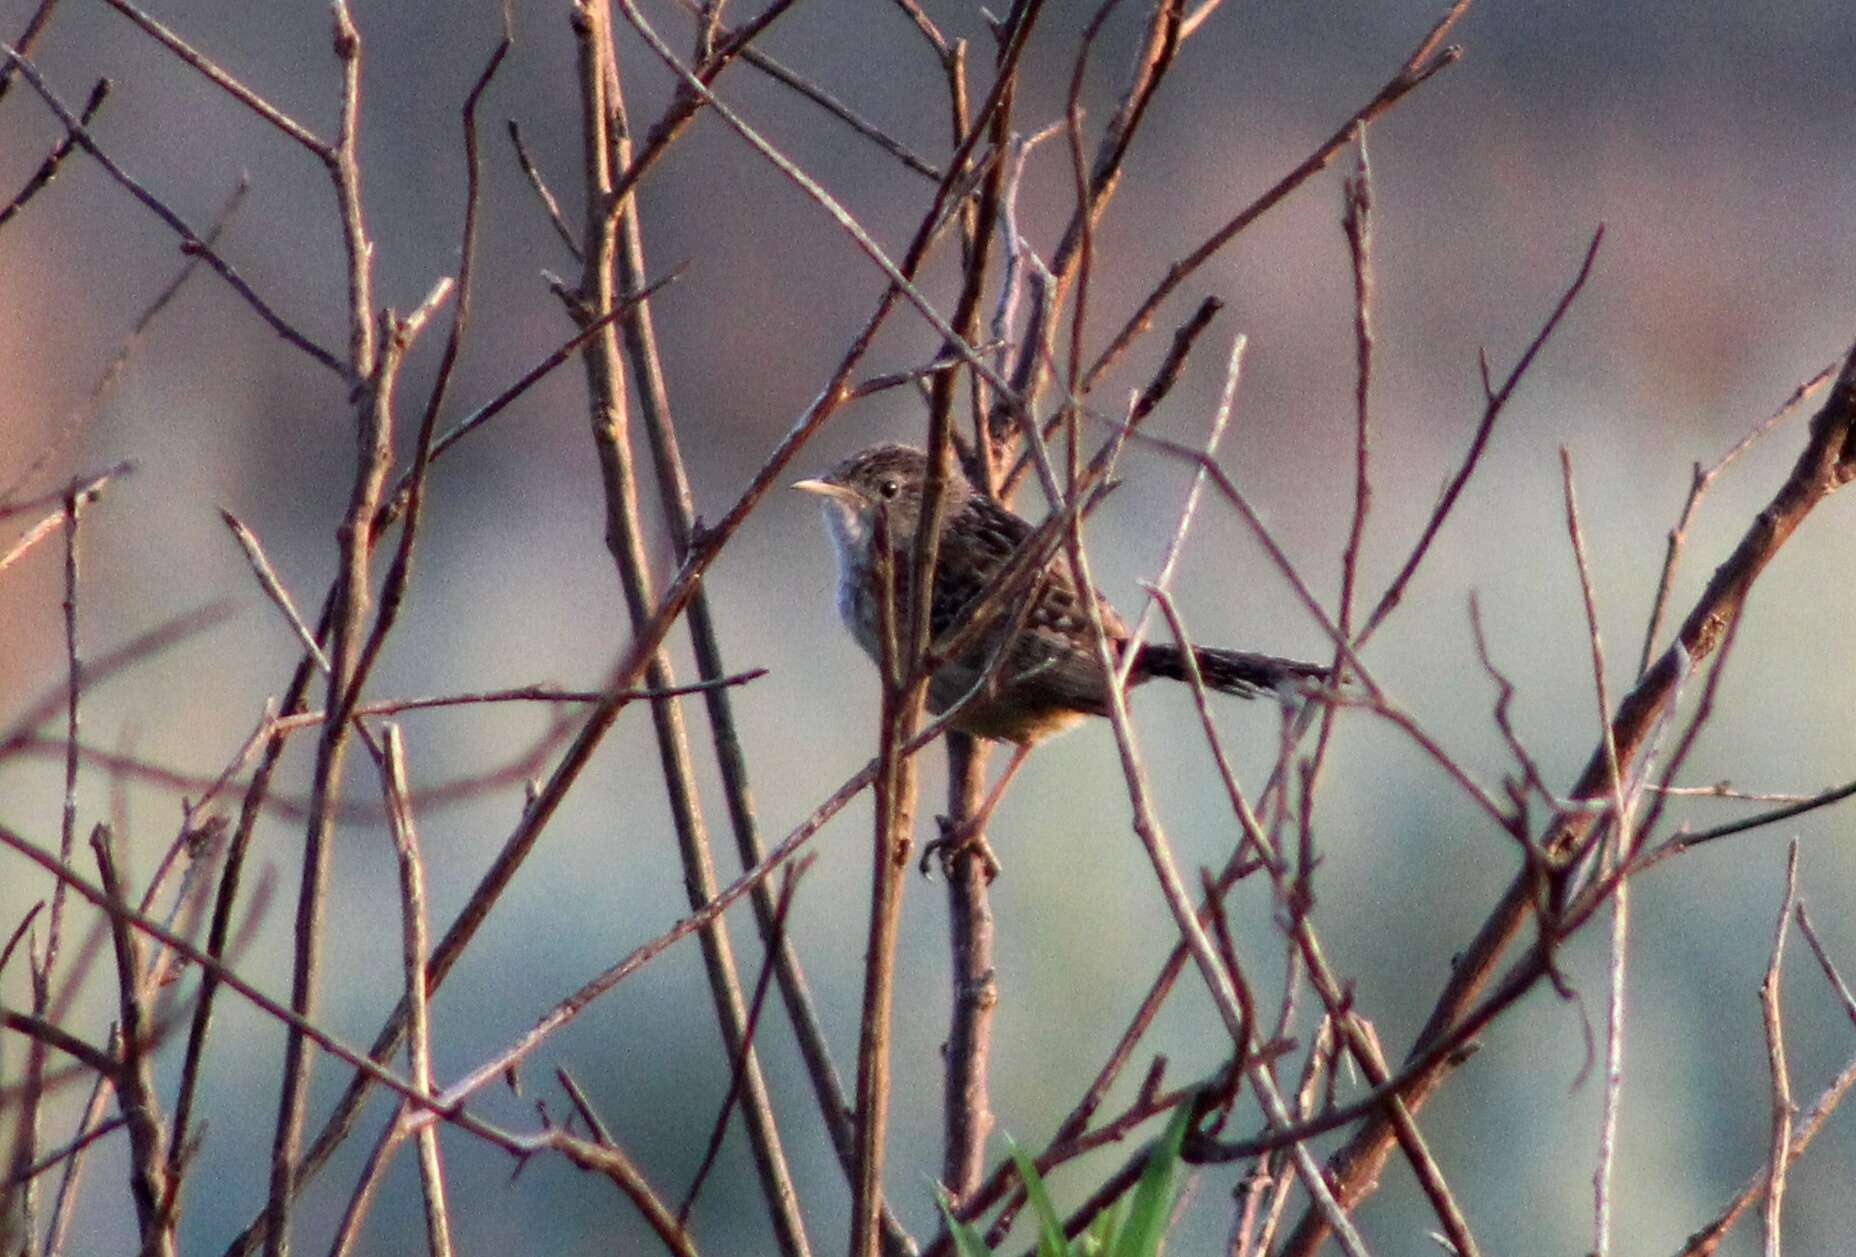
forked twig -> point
(112, 375)
(191, 242)
(1827, 462)
(1495, 401)
(1426, 60)
(1704, 1241)
(1703, 478)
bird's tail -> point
(1238, 672)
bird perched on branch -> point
(1050, 675)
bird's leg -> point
(970, 834)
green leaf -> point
(967, 1241)
(1152, 1202)
(1050, 1227)
(1099, 1237)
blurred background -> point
(1710, 140)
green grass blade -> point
(1152, 1202)
(1050, 1227)
(1098, 1239)
(967, 1241)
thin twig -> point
(1197, 18)
(19, 932)
(1827, 462)
(361, 1200)
(70, 1151)
(74, 685)
(1704, 1241)
(811, 91)
(516, 694)
(897, 379)
(1153, 839)
(1427, 59)
(789, 882)
(605, 215)
(605, 1158)
(1775, 1059)
(215, 75)
(273, 587)
(1844, 995)
(48, 169)
(1725, 790)
(28, 38)
(1620, 852)
(893, 794)
(925, 25)
(966, 1105)
(44, 965)
(191, 242)
(350, 600)
(1356, 223)
(80, 493)
(80, 415)
(88, 488)
(135, 1081)
(1234, 367)
(1686, 841)
(399, 569)
(412, 945)
(1491, 411)
(1698, 485)
(543, 193)
(64, 1205)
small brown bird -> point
(1052, 676)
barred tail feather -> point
(1238, 672)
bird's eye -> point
(889, 487)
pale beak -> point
(826, 489)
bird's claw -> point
(958, 841)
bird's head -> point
(889, 477)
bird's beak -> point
(826, 489)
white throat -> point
(850, 540)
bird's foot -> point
(959, 842)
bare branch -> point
(191, 242)
(1492, 411)
(1426, 60)
(135, 1080)
(48, 169)
(1703, 479)
(273, 587)
(1827, 462)
(549, 205)
(111, 376)
(412, 937)
(789, 882)
(1775, 1060)
(213, 74)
